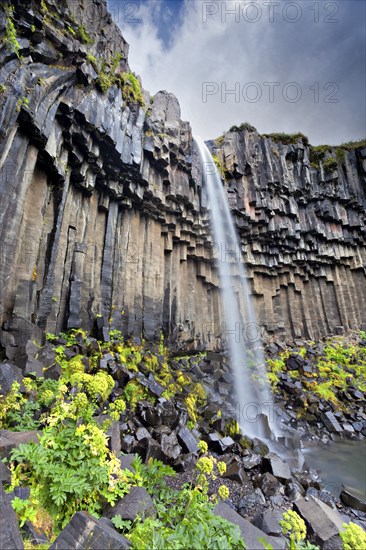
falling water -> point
(254, 409)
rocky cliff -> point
(101, 217)
(103, 214)
(301, 214)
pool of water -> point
(341, 463)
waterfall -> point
(254, 409)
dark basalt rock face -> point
(100, 213)
(103, 215)
(302, 228)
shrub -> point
(183, 517)
(131, 90)
(244, 126)
(71, 469)
(10, 37)
(330, 165)
(353, 537)
(83, 36)
(293, 526)
(287, 139)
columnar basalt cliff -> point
(103, 215)
(301, 220)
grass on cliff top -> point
(287, 139)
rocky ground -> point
(164, 423)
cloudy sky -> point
(281, 65)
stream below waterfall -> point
(342, 462)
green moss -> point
(9, 39)
(219, 165)
(287, 139)
(330, 165)
(92, 59)
(104, 82)
(83, 35)
(219, 141)
(131, 90)
(350, 145)
(244, 126)
(340, 154)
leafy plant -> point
(353, 537)
(330, 164)
(71, 469)
(83, 35)
(294, 527)
(22, 102)
(24, 510)
(10, 37)
(244, 126)
(131, 90)
(287, 139)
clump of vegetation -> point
(330, 164)
(83, 35)
(131, 90)
(22, 102)
(9, 39)
(317, 154)
(340, 364)
(350, 145)
(287, 139)
(336, 155)
(2, 89)
(219, 141)
(244, 126)
(182, 516)
(293, 526)
(72, 467)
(353, 537)
(219, 166)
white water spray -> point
(254, 409)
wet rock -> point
(142, 434)
(269, 522)
(322, 522)
(226, 444)
(9, 440)
(250, 533)
(137, 502)
(331, 422)
(151, 384)
(10, 536)
(85, 531)
(187, 440)
(235, 472)
(275, 465)
(153, 450)
(9, 373)
(170, 446)
(252, 461)
(126, 461)
(128, 443)
(35, 535)
(269, 485)
(252, 500)
(114, 434)
(5, 475)
(294, 490)
(350, 498)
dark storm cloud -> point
(322, 53)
